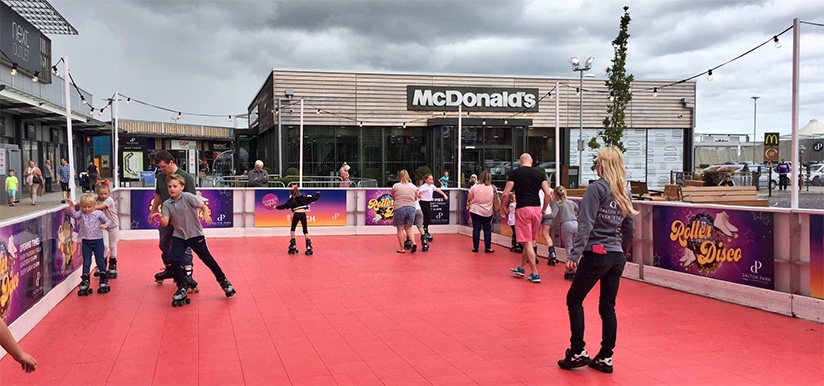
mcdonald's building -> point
(380, 123)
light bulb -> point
(577, 91)
(777, 43)
(709, 75)
(404, 125)
(655, 92)
(35, 78)
(128, 100)
(14, 69)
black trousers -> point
(593, 268)
(198, 245)
(299, 217)
(427, 214)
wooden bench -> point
(725, 195)
(693, 183)
(576, 192)
(641, 192)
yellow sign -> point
(771, 139)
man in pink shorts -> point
(527, 181)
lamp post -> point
(287, 98)
(581, 69)
(754, 110)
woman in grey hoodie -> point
(605, 227)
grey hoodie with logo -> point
(600, 222)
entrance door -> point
(470, 164)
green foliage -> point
(619, 85)
(420, 172)
(711, 178)
(291, 176)
(292, 171)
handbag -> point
(496, 200)
(36, 179)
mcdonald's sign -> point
(771, 139)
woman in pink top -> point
(480, 208)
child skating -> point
(299, 204)
(12, 183)
(105, 204)
(565, 218)
(510, 220)
(90, 226)
(546, 228)
(181, 211)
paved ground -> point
(809, 199)
(48, 200)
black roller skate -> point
(227, 288)
(85, 285)
(424, 245)
(166, 273)
(408, 243)
(112, 274)
(103, 286)
(552, 258)
(191, 284)
(426, 234)
(308, 247)
(293, 248)
(569, 274)
(181, 297)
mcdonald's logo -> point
(771, 139)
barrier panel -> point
(773, 259)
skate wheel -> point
(308, 252)
(188, 300)
(113, 275)
(159, 282)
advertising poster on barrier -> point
(21, 268)
(730, 245)
(379, 206)
(65, 253)
(467, 219)
(817, 256)
(220, 202)
(439, 210)
(329, 210)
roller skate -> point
(181, 297)
(112, 274)
(103, 286)
(293, 248)
(227, 288)
(84, 289)
(191, 284)
(308, 247)
(569, 274)
(552, 258)
(408, 243)
(166, 273)
(426, 234)
(424, 245)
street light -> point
(577, 67)
(754, 109)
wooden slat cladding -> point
(380, 99)
(162, 129)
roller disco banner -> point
(817, 256)
(220, 202)
(730, 245)
(329, 210)
(379, 206)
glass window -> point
(404, 150)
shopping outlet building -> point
(380, 123)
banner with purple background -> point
(817, 256)
(329, 210)
(379, 206)
(64, 253)
(21, 268)
(220, 202)
(725, 244)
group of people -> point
(37, 181)
(411, 208)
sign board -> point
(134, 143)
(818, 146)
(771, 139)
(771, 153)
(21, 40)
(448, 98)
(183, 144)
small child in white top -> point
(105, 203)
(90, 225)
(510, 220)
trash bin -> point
(574, 177)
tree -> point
(620, 91)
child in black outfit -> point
(299, 204)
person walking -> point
(527, 181)
(605, 227)
(565, 219)
(34, 179)
(344, 175)
(404, 193)
(783, 168)
(167, 166)
(93, 176)
(11, 187)
(258, 177)
(480, 197)
(48, 175)
(65, 173)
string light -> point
(612, 96)
(83, 99)
(100, 113)
(655, 92)
(483, 122)
(506, 122)
(179, 115)
(318, 113)
(14, 69)
(54, 70)
(35, 77)
(404, 125)
(577, 91)
(128, 100)
(230, 118)
(777, 43)
(360, 124)
(709, 75)
(91, 112)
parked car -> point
(816, 174)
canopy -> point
(812, 129)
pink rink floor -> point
(357, 312)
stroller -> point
(85, 182)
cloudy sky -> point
(212, 56)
